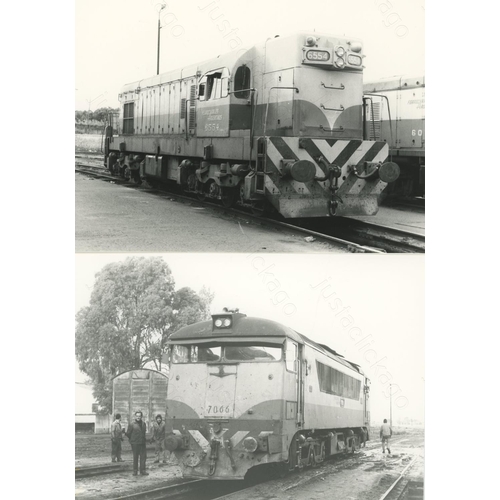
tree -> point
(134, 308)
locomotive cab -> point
(236, 399)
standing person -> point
(385, 435)
(136, 433)
(159, 439)
(116, 439)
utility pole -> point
(390, 392)
(158, 50)
(90, 101)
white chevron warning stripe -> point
(330, 153)
(238, 437)
(198, 437)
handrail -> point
(342, 87)
(388, 111)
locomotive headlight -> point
(250, 444)
(227, 322)
(354, 60)
(340, 51)
(340, 63)
(218, 323)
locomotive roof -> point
(230, 60)
(245, 328)
(394, 83)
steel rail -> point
(393, 485)
(98, 470)
(365, 232)
(166, 492)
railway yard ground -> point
(366, 475)
(115, 215)
(112, 217)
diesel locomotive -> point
(278, 126)
(395, 111)
(245, 391)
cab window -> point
(291, 356)
(252, 353)
(214, 85)
(242, 82)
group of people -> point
(136, 433)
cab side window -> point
(214, 85)
(291, 356)
(242, 82)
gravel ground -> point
(366, 475)
(95, 449)
(115, 218)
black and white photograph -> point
(249, 376)
(249, 197)
(206, 125)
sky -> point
(116, 40)
(333, 299)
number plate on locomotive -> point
(219, 410)
(317, 55)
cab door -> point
(213, 104)
(295, 366)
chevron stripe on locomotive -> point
(245, 392)
(276, 126)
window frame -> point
(244, 91)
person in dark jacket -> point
(116, 439)
(159, 439)
(136, 433)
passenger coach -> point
(275, 126)
(247, 391)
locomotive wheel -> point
(228, 196)
(213, 189)
(312, 457)
(201, 192)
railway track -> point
(98, 470)
(355, 235)
(404, 488)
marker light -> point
(355, 46)
(311, 41)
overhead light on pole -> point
(158, 51)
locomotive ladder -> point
(260, 165)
